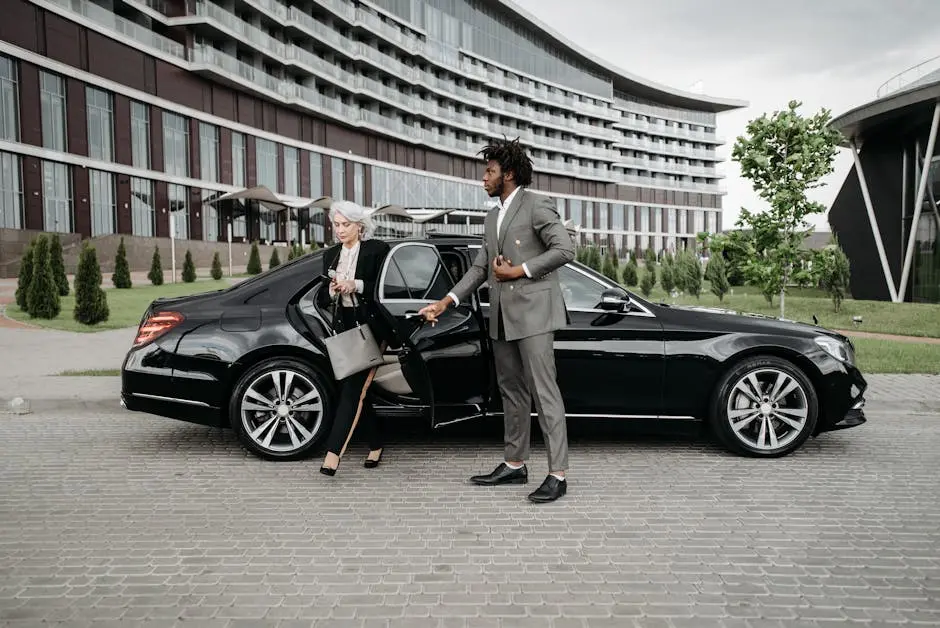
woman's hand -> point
(347, 286)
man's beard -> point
(498, 190)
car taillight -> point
(156, 325)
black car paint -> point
(664, 365)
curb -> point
(39, 406)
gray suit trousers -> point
(525, 370)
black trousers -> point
(369, 426)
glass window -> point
(291, 171)
(175, 145)
(57, 197)
(316, 175)
(416, 272)
(359, 183)
(143, 215)
(576, 216)
(9, 101)
(11, 192)
(617, 214)
(140, 135)
(179, 209)
(100, 113)
(102, 199)
(239, 160)
(580, 291)
(210, 217)
(239, 220)
(338, 171)
(266, 161)
(208, 152)
(52, 110)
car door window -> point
(415, 272)
(581, 292)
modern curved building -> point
(115, 114)
(887, 213)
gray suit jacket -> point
(532, 233)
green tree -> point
(630, 273)
(649, 259)
(42, 300)
(275, 260)
(156, 268)
(648, 282)
(122, 272)
(580, 254)
(667, 274)
(314, 246)
(784, 156)
(91, 302)
(58, 265)
(25, 277)
(611, 268)
(216, 266)
(189, 268)
(254, 260)
(834, 272)
(688, 272)
(717, 275)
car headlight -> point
(835, 348)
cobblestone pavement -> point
(124, 519)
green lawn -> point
(126, 306)
(907, 319)
(875, 355)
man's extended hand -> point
(431, 312)
(503, 269)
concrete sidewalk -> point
(31, 360)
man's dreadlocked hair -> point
(511, 156)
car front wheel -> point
(765, 406)
(280, 408)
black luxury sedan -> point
(251, 357)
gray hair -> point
(353, 212)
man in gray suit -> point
(524, 244)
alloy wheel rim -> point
(767, 409)
(281, 410)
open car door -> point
(446, 365)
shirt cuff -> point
(526, 270)
(454, 298)
(359, 286)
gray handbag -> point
(353, 350)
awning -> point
(269, 199)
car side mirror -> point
(615, 300)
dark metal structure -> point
(886, 214)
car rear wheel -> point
(765, 406)
(280, 409)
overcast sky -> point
(825, 53)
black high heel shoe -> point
(371, 464)
(327, 471)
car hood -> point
(756, 322)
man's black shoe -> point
(552, 488)
(503, 474)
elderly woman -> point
(354, 265)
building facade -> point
(887, 213)
(117, 114)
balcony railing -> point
(924, 72)
(136, 32)
(261, 40)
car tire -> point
(764, 406)
(281, 409)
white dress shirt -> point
(346, 269)
(503, 207)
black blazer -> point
(372, 254)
